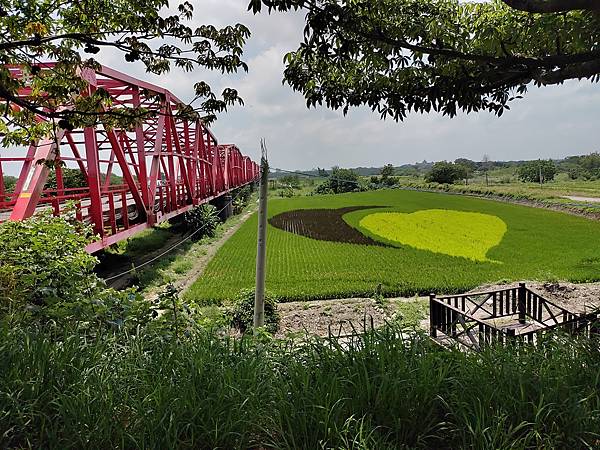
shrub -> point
(243, 312)
(241, 198)
(286, 192)
(47, 277)
(530, 171)
(42, 261)
(341, 180)
(444, 172)
(201, 220)
(173, 319)
(390, 181)
(573, 173)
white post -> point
(261, 247)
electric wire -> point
(174, 246)
(317, 176)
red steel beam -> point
(167, 165)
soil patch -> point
(345, 316)
(338, 317)
(324, 225)
(577, 298)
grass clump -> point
(242, 311)
(379, 391)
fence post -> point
(521, 302)
(432, 329)
(595, 326)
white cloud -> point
(548, 122)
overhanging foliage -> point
(398, 56)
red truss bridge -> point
(164, 166)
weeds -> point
(378, 392)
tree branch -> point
(547, 61)
(583, 70)
(11, 45)
(553, 6)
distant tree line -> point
(585, 167)
(340, 180)
(463, 170)
(445, 172)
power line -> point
(317, 176)
(145, 263)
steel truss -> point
(167, 165)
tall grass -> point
(378, 392)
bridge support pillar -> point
(224, 206)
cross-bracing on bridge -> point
(166, 165)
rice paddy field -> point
(410, 242)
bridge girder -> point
(164, 166)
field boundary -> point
(573, 209)
(211, 250)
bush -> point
(390, 181)
(530, 171)
(43, 261)
(47, 277)
(201, 220)
(444, 172)
(341, 180)
(324, 189)
(241, 198)
(286, 192)
(243, 312)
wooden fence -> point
(482, 318)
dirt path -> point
(201, 262)
(582, 199)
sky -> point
(550, 122)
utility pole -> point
(540, 174)
(261, 246)
(485, 165)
